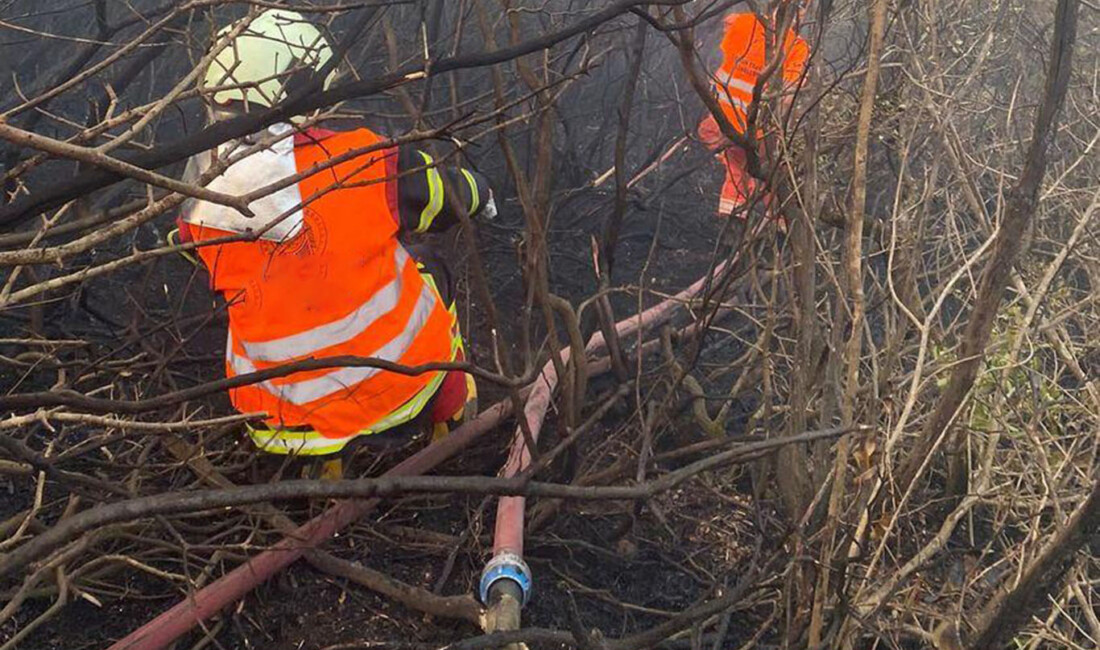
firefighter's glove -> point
(488, 212)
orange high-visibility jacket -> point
(744, 58)
(338, 283)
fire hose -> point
(506, 581)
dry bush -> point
(877, 430)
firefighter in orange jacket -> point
(743, 60)
(327, 275)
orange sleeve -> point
(797, 56)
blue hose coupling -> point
(506, 566)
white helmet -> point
(266, 59)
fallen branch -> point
(460, 607)
(95, 158)
(400, 480)
(75, 400)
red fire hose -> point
(507, 562)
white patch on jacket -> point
(260, 168)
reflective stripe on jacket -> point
(342, 286)
(744, 58)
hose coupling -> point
(506, 566)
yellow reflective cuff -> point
(475, 198)
(435, 195)
(173, 239)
